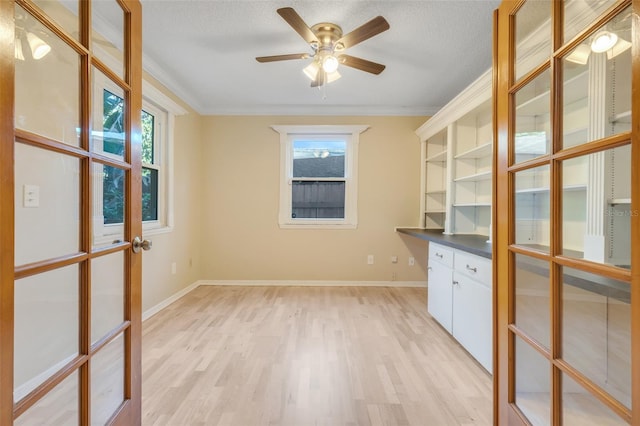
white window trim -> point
(349, 133)
(152, 98)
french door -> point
(70, 209)
(567, 222)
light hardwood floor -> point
(246, 356)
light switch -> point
(31, 196)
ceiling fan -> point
(328, 44)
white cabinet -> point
(457, 158)
(459, 298)
(471, 314)
(440, 275)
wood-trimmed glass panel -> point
(107, 294)
(532, 137)
(532, 36)
(47, 88)
(47, 204)
(533, 305)
(107, 36)
(59, 407)
(581, 408)
(597, 84)
(532, 383)
(596, 207)
(532, 208)
(596, 330)
(46, 326)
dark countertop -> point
(474, 244)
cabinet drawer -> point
(442, 254)
(473, 266)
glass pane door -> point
(74, 282)
(566, 183)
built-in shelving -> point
(623, 117)
(619, 201)
(479, 151)
(457, 157)
(438, 158)
(486, 175)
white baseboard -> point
(160, 306)
(312, 283)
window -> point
(157, 118)
(318, 176)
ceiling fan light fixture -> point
(39, 48)
(330, 64)
(332, 76)
(621, 46)
(579, 55)
(311, 70)
(19, 55)
(603, 41)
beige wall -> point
(182, 245)
(242, 240)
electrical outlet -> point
(174, 268)
(394, 276)
(31, 196)
(394, 259)
(412, 261)
(370, 259)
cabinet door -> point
(472, 318)
(439, 299)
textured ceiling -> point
(205, 52)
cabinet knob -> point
(469, 268)
(456, 283)
(440, 255)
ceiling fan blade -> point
(282, 57)
(297, 23)
(364, 32)
(319, 81)
(361, 64)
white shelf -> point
(438, 158)
(475, 178)
(616, 201)
(546, 189)
(623, 117)
(436, 192)
(472, 205)
(438, 211)
(480, 151)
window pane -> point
(596, 330)
(532, 208)
(149, 194)
(113, 195)
(148, 142)
(107, 294)
(47, 88)
(58, 407)
(107, 35)
(532, 298)
(46, 326)
(533, 35)
(533, 104)
(581, 408)
(533, 384)
(317, 200)
(597, 84)
(318, 158)
(108, 116)
(596, 207)
(578, 14)
(107, 381)
(54, 217)
(64, 13)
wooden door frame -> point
(130, 411)
(504, 413)
(7, 209)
